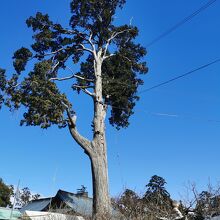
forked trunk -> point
(96, 149)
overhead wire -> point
(164, 34)
(161, 114)
(180, 76)
(180, 23)
(173, 115)
(174, 78)
(169, 81)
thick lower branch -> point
(82, 141)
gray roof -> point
(36, 205)
(79, 204)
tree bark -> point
(97, 148)
(101, 201)
(99, 165)
(97, 152)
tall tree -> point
(5, 194)
(110, 62)
(156, 186)
(157, 198)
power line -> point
(171, 115)
(180, 76)
(173, 79)
(180, 23)
(169, 81)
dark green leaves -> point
(39, 22)
(5, 194)
(21, 58)
(156, 190)
(46, 36)
(56, 50)
(42, 98)
(94, 15)
(157, 185)
(119, 87)
(2, 86)
(2, 79)
(120, 75)
(52, 39)
(157, 197)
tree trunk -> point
(97, 149)
(101, 201)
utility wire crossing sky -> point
(177, 25)
(178, 150)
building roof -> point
(37, 205)
(79, 204)
(5, 213)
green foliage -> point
(54, 47)
(21, 57)
(96, 15)
(3, 83)
(157, 198)
(156, 186)
(42, 98)
(5, 194)
(120, 76)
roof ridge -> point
(42, 199)
(74, 194)
(66, 191)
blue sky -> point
(180, 149)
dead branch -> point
(114, 35)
